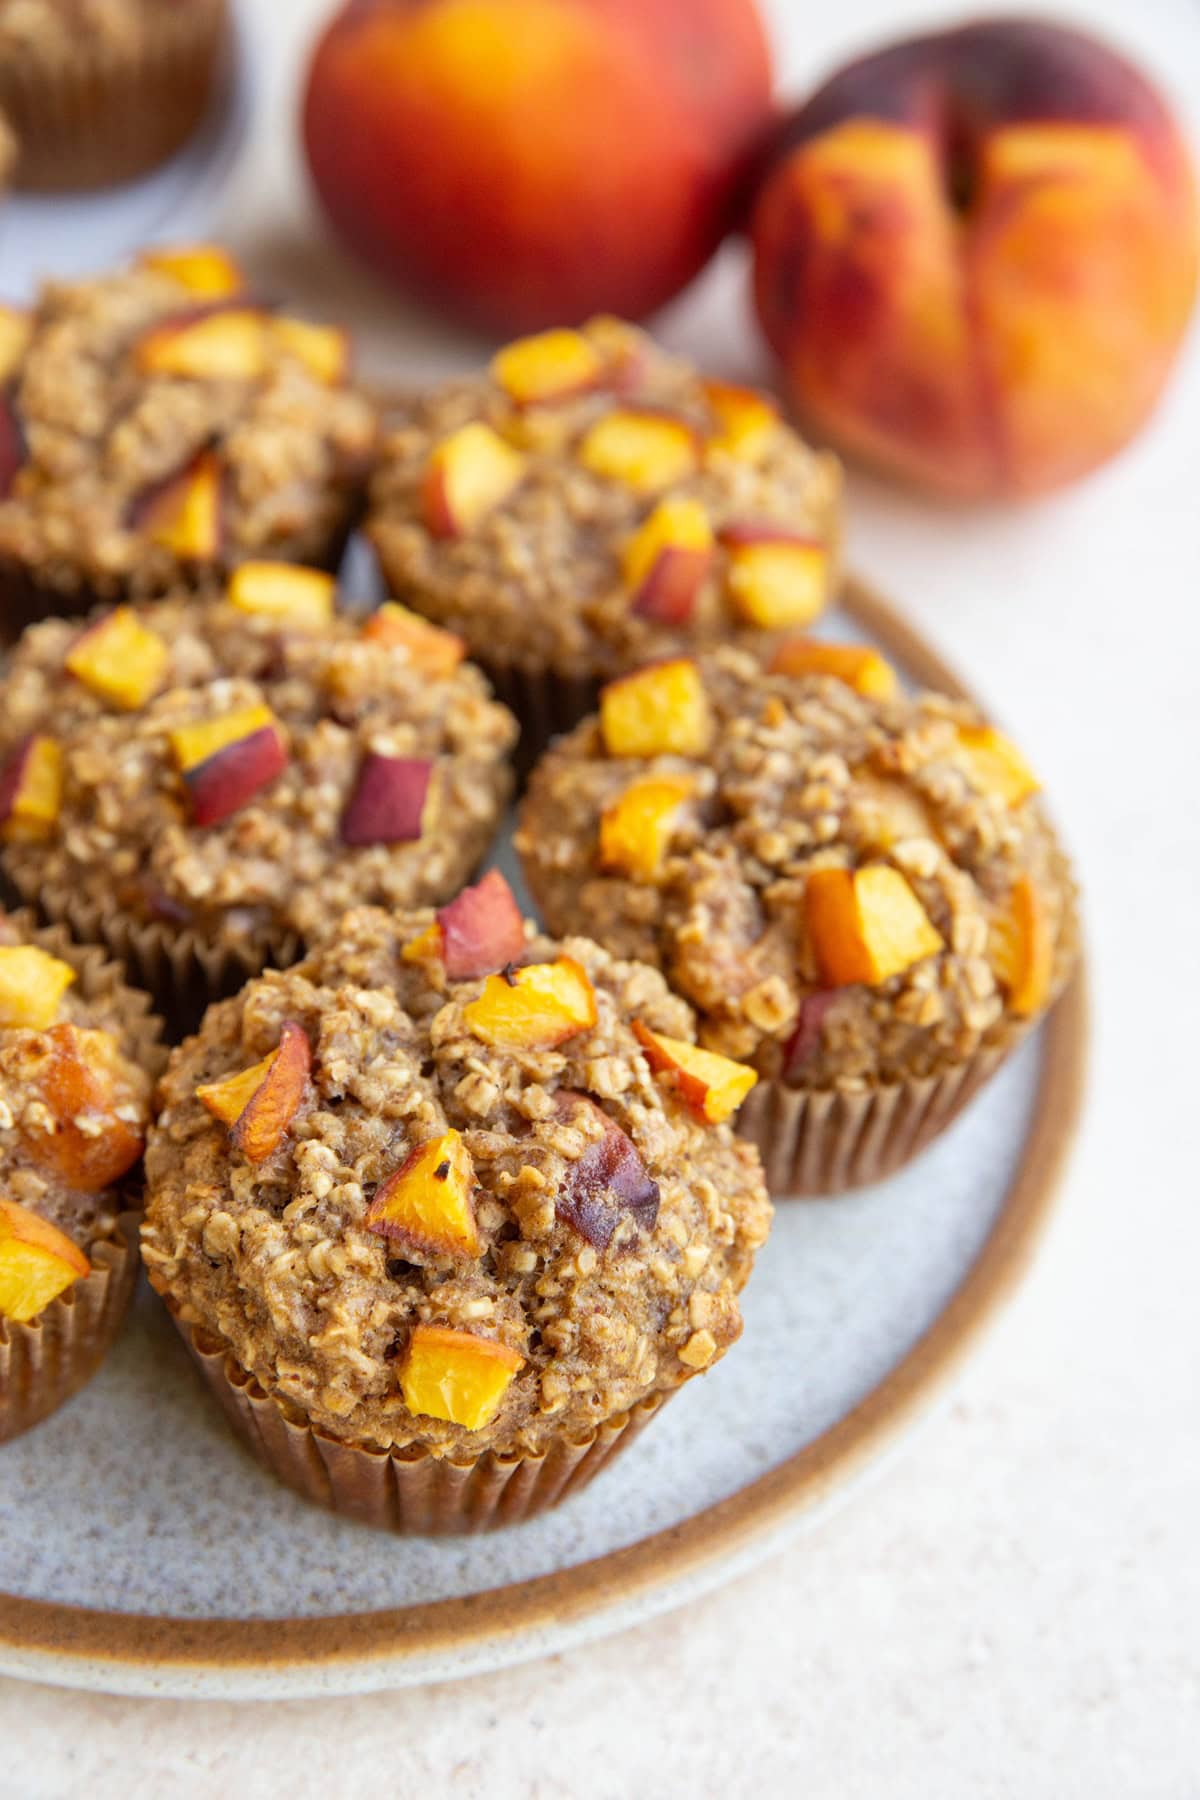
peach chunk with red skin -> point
(536, 1007)
(776, 577)
(283, 591)
(1021, 949)
(120, 659)
(665, 562)
(480, 931)
(388, 802)
(636, 828)
(858, 665)
(31, 788)
(223, 341)
(661, 710)
(976, 255)
(456, 1376)
(226, 761)
(259, 1104)
(609, 1181)
(712, 1087)
(468, 475)
(79, 1077)
(426, 1203)
(38, 1262)
(866, 925)
(183, 514)
(747, 420)
(430, 649)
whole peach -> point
(528, 162)
(976, 255)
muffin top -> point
(77, 1054)
(53, 27)
(247, 766)
(459, 1210)
(591, 503)
(851, 887)
(164, 422)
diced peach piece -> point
(430, 649)
(636, 827)
(477, 933)
(994, 764)
(866, 925)
(32, 984)
(553, 365)
(647, 451)
(624, 349)
(658, 711)
(16, 329)
(259, 1104)
(183, 514)
(666, 560)
(226, 343)
(14, 450)
(388, 802)
(858, 665)
(534, 1008)
(119, 659)
(1021, 949)
(275, 590)
(468, 474)
(712, 1087)
(324, 350)
(776, 577)
(31, 785)
(608, 1180)
(456, 1376)
(37, 1263)
(205, 270)
(427, 1201)
(226, 761)
(747, 420)
(82, 1083)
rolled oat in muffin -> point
(859, 892)
(160, 426)
(591, 503)
(78, 1055)
(438, 1235)
(203, 785)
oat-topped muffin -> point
(858, 891)
(102, 90)
(201, 784)
(591, 503)
(78, 1053)
(426, 1194)
(160, 426)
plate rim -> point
(89, 1647)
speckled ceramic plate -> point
(142, 1551)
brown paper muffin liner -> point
(104, 113)
(544, 703)
(409, 1492)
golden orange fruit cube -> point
(205, 270)
(646, 451)
(80, 1078)
(193, 744)
(183, 515)
(1021, 949)
(285, 591)
(430, 649)
(636, 827)
(775, 577)
(259, 1104)
(479, 931)
(31, 787)
(324, 350)
(866, 925)
(665, 562)
(228, 343)
(858, 665)
(426, 1202)
(994, 764)
(468, 475)
(661, 710)
(120, 660)
(533, 1008)
(552, 365)
(16, 329)
(37, 1263)
(32, 984)
(712, 1087)
(456, 1376)
(747, 421)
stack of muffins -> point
(446, 1207)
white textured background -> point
(1015, 1609)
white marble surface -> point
(1015, 1609)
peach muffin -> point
(78, 1054)
(438, 1234)
(591, 503)
(859, 892)
(161, 425)
(205, 784)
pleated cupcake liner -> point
(410, 1492)
(99, 113)
(545, 704)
